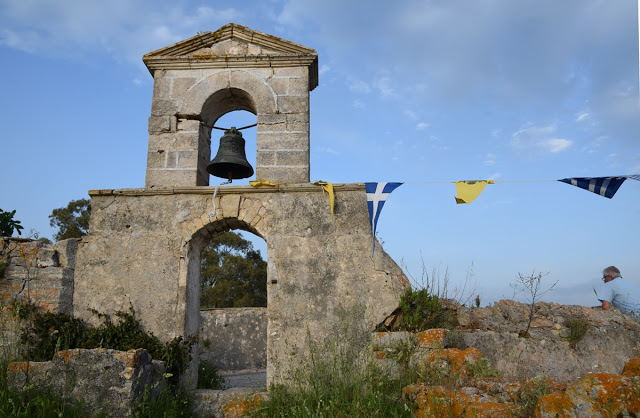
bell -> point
(230, 161)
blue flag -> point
(604, 186)
(377, 193)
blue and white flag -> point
(377, 193)
(604, 186)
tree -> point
(8, 224)
(72, 221)
(233, 274)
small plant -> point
(529, 394)
(208, 376)
(419, 309)
(578, 327)
(530, 285)
(8, 225)
(481, 369)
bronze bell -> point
(231, 161)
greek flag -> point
(604, 186)
(377, 193)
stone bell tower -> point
(198, 80)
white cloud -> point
(539, 138)
(324, 69)
(582, 117)
(384, 87)
(126, 29)
(411, 114)
(358, 104)
(490, 161)
(422, 126)
(357, 85)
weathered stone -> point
(382, 340)
(234, 338)
(159, 124)
(308, 290)
(432, 338)
(106, 381)
(67, 250)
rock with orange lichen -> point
(632, 368)
(432, 401)
(447, 360)
(229, 403)
(594, 395)
(103, 379)
(432, 338)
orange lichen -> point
(456, 357)
(379, 355)
(556, 404)
(432, 338)
(632, 368)
(438, 401)
(241, 407)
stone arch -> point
(265, 100)
(231, 212)
(221, 93)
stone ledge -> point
(206, 190)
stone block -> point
(171, 159)
(230, 205)
(280, 85)
(301, 72)
(104, 380)
(163, 107)
(158, 178)
(292, 158)
(181, 86)
(298, 86)
(293, 104)
(157, 159)
(266, 158)
(188, 125)
(160, 124)
(432, 338)
(271, 122)
(298, 122)
(382, 340)
(279, 141)
(161, 88)
(187, 159)
(283, 175)
(173, 141)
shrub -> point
(208, 376)
(578, 327)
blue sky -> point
(410, 91)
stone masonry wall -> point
(234, 338)
(36, 271)
(144, 245)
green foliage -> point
(169, 403)
(44, 333)
(578, 327)
(529, 393)
(337, 385)
(72, 221)
(208, 376)
(233, 274)
(8, 224)
(422, 310)
(33, 403)
(481, 369)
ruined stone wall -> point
(234, 338)
(611, 339)
(144, 249)
(38, 272)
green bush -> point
(578, 327)
(208, 376)
(44, 333)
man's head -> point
(610, 273)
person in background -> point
(618, 292)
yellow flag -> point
(328, 187)
(468, 190)
(256, 183)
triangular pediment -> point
(231, 46)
